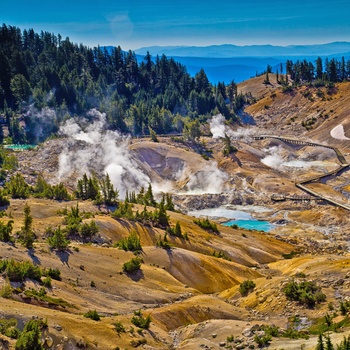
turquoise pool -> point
(19, 147)
(258, 225)
(236, 216)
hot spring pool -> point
(236, 216)
(258, 225)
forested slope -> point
(45, 79)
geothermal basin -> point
(236, 215)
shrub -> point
(119, 328)
(263, 340)
(41, 294)
(47, 282)
(246, 287)
(93, 314)
(6, 290)
(139, 321)
(130, 243)
(58, 240)
(175, 231)
(53, 273)
(290, 255)
(26, 234)
(9, 328)
(17, 271)
(221, 255)
(3, 199)
(305, 292)
(30, 338)
(17, 187)
(73, 220)
(88, 230)
(132, 265)
(138, 342)
(5, 231)
(163, 242)
(207, 225)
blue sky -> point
(135, 23)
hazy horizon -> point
(136, 24)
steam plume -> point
(101, 150)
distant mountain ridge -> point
(230, 51)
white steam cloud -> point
(41, 123)
(217, 126)
(219, 129)
(95, 148)
(209, 180)
(91, 147)
(278, 159)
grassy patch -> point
(41, 294)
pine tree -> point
(148, 197)
(320, 345)
(267, 80)
(30, 338)
(169, 205)
(5, 231)
(109, 195)
(26, 234)
(59, 240)
(160, 217)
(177, 230)
(17, 187)
(329, 345)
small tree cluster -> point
(147, 198)
(207, 225)
(30, 338)
(9, 328)
(6, 231)
(93, 314)
(228, 149)
(44, 190)
(246, 287)
(75, 225)
(87, 188)
(100, 191)
(175, 231)
(130, 243)
(18, 271)
(140, 321)
(157, 218)
(58, 240)
(132, 266)
(163, 242)
(17, 187)
(305, 292)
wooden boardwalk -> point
(301, 184)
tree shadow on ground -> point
(35, 259)
(136, 276)
(64, 256)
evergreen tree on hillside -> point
(26, 234)
(108, 195)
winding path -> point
(341, 158)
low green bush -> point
(246, 287)
(93, 314)
(132, 265)
(139, 321)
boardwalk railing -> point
(301, 184)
